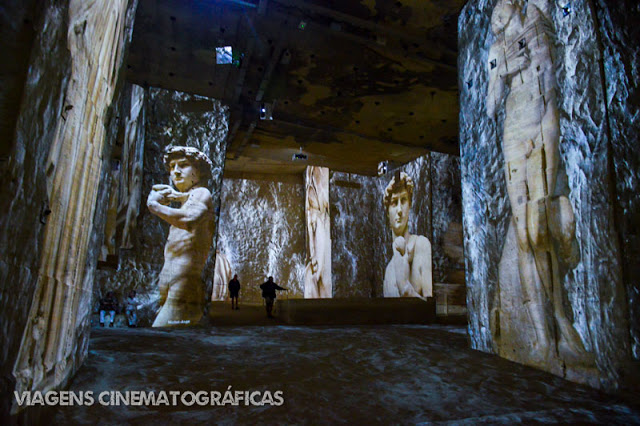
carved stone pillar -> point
(96, 39)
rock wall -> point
(170, 118)
(50, 218)
(592, 290)
(262, 228)
(620, 36)
(23, 194)
(262, 234)
(359, 235)
(17, 32)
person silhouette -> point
(269, 294)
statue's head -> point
(187, 166)
(397, 202)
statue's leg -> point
(163, 286)
(537, 225)
(561, 226)
(532, 288)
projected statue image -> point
(521, 74)
(190, 235)
(317, 276)
(408, 274)
(221, 277)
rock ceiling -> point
(350, 83)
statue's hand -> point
(399, 246)
(171, 194)
(156, 197)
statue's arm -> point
(421, 275)
(196, 207)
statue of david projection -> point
(521, 74)
(408, 274)
(190, 235)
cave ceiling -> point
(350, 83)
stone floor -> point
(358, 374)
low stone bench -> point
(349, 311)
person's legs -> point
(113, 317)
(101, 318)
(134, 319)
(269, 301)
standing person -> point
(108, 304)
(131, 306)
(234, 290)
(269, 294)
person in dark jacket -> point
(269, 294)
(108, 304)
(234, 290)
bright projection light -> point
(383, 167)
(224, 55)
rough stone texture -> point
(23, 193)
(594, 288)
(97, 38)
(262, 234)
(172, 118)
(620, 38)
(446, 222)
(359, 235)
(18, 19)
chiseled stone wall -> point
(619, 32)
(598, 156)
(51, 219)
(262, 234)
(262, 228)
(23, 194)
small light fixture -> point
(266, 111)
(302, 25)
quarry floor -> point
(392, 374)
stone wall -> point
(23, 194)
(262, 234)
(358, 235)
(49, 215)
(597, 179)
(619, 36)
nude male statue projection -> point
(408, 274)
(521, 74)
(190, 235)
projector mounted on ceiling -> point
(299, 157)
